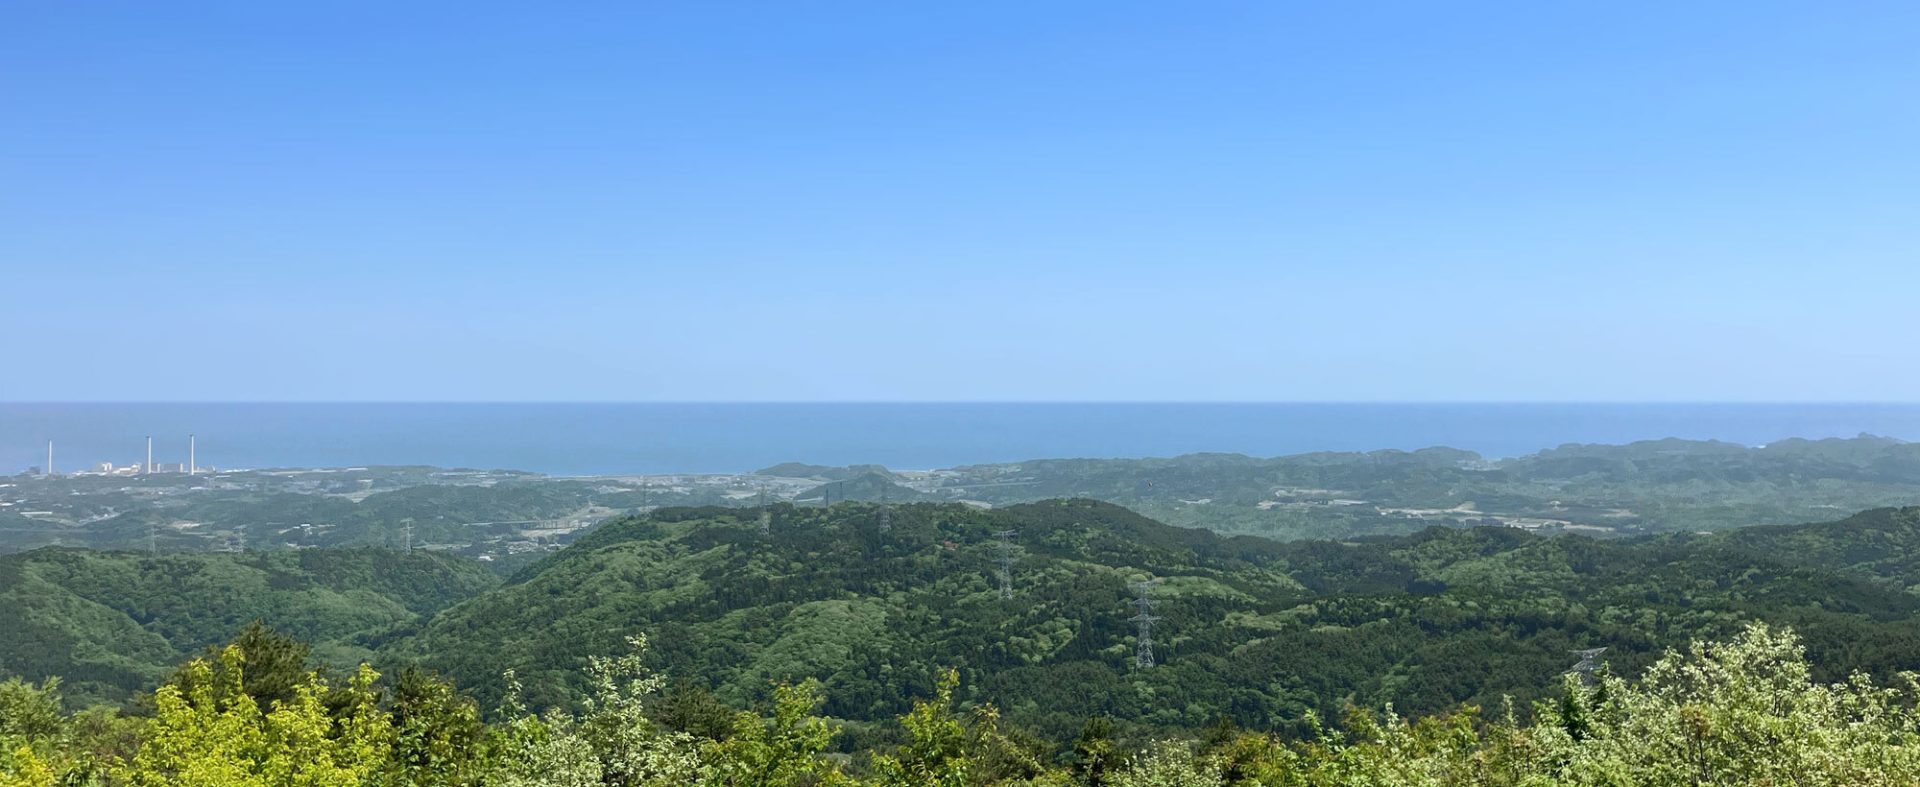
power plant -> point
(145, 467)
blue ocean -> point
(590, 439)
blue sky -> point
(964, 201)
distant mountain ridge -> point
(1644, 487)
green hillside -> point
(1654, 486)
(111, 623)
(872, 487)
(1255, 631)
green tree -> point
(208, 731)
(1169, 763)
(1748, 712)
(782, 750)
(438, 737)
(612, 741)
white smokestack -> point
(149, 453)
(49, 458)
(193, 463)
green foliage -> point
(612, 741)
(946, 748)
(274, 669)
(114, 623)
(1169, 763)
(32, 732)
(438, 737)
(850, 624)
(1255, 632)
(30, 713)
(1646, 487)
(1749, 712)
(208, 731)
(783, 750)
(1743, 711)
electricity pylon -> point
(1586, 666)
(1006, 561)
(1143, 622)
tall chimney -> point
(149, 454)
(49, 458)
(193, 465)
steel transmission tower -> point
(886, 513)
(1006, 561)
(1586, 666)
(1143, 649)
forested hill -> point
(1647, 487)
(1882, 544)
(111, 623)
(1251, 630)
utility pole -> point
(1006, 562)
(1143, 622)
(1586, 666)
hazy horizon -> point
(699, 437)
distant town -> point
(507, 517)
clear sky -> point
(1590, 201)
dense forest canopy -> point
(1253, 631)
(873, 601)
(869, 643)
(1745, 711)
(111, 623)
(1646, 487)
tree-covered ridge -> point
(1254, 631)
(1883, 544)
(1646, 487)
(1744, 711)
(112, 623)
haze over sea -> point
(589, 439)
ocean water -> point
(584, 439)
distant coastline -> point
(614, 439)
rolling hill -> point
(112, 623)
(1256, 631)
